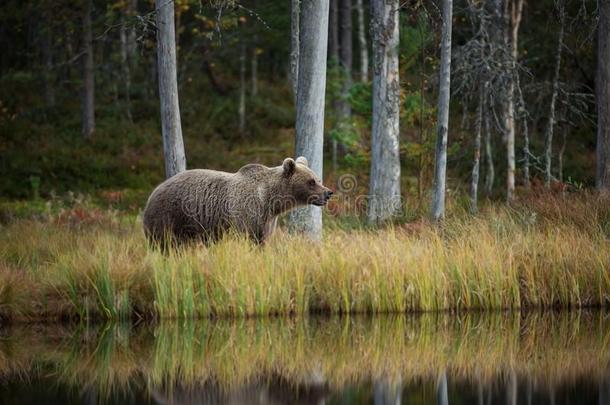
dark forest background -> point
(226, 49)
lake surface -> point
(500, 358)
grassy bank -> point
(549, 350)
(545, 252)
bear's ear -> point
(289, 166)
(302, 160)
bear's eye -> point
(311, 182)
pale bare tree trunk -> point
(474, 184)
(384, 187)
(173, 145)
(602, 90)
(548, 139)
(364, 51)
(516, 10)
(442, 397)
(476, 166)
(242, 88)
(526, 138)
(88, 102)
(310, 103)
(440, 169)
(386, 392)
(562, 150)
(295, 11)
(491, 172)
(125, 64)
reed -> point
(554, 253)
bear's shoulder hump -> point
(252, 168)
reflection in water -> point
(468, 359)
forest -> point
(467, 145)
(305, 201)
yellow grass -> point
(548, 350)
(547, 253)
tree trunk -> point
(384, 186)
(310, 104)
(548, 139)
(125, 65)
(442, 397)
(491, 172)
(295, 11)
(345, 57)
(474, 184)
(602, 90)
(333, 32)
(562, 150)
(440, 169)
(132, 11)
(88, 102)
(364, 51)
(386, 392)
(516, 9)
(476, 166)
(242, 88)
(526, 137)
(173, 146)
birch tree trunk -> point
(440, 168)
(88, 101)
(474, 184)
(295, 11)
(387, 392)
(602, 90)
(384, 186)
(364, 51)
(442, 397)
(242, 88)
(516, 10)
(548, 139)
(491, 172)
(173, 146)
(526, 138)
(310, 104)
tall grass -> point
(551, 253)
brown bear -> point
(204, 204)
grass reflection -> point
(547, 349)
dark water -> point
(427, 359)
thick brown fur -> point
(205, 204)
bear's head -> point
(303, 184)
